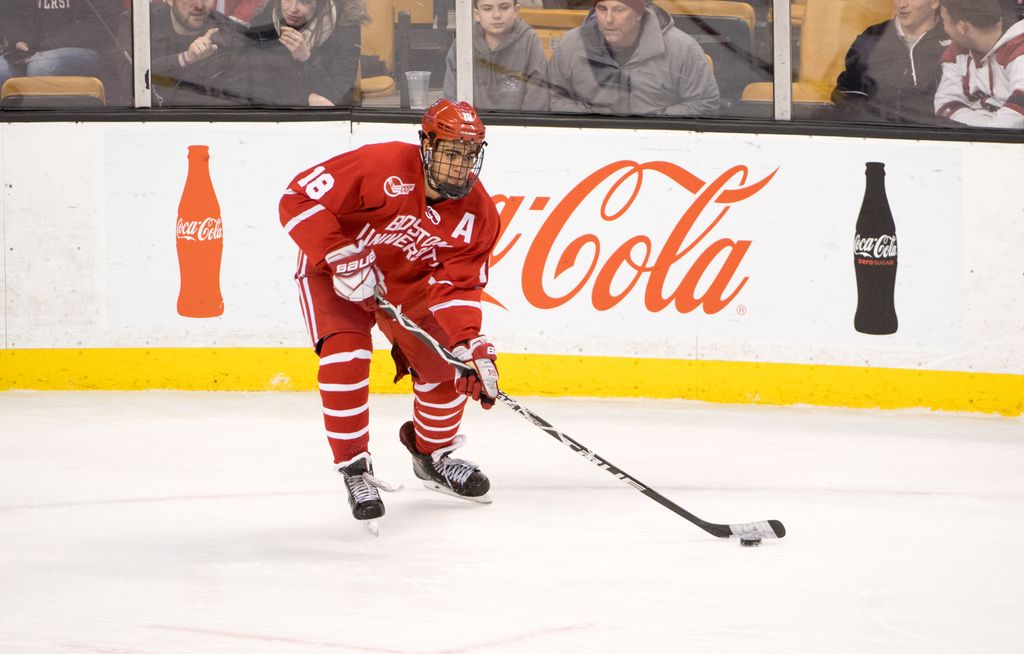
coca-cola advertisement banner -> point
(614, 243)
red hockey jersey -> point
(374, 196)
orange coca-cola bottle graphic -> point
(200, 239)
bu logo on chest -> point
(411, 235)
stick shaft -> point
(720, 530)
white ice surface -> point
(168, 523)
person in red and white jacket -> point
(983, 69)
(416, 223)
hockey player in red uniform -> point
(416, 223)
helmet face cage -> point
(451, 166)
(452, 147)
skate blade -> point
(373, 526)
(444, 490)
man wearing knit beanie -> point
(619, 20)
(629, 59)
(639, 6)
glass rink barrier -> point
(842, 62)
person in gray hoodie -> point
(628, 58)
(508, 60)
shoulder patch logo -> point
(394, 186)
(433, 216)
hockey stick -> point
(745, 531)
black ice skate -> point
(445, 474)
(363, 493)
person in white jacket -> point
(982, 81)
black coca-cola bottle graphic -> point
(874, 257)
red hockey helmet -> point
(455, 121)
(452, 147)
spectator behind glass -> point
(893, 68)
(628, 58)
(306, 53)
(195, 54)
(509, 65)
(983, 70)
(56, 37)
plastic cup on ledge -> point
(419, 81)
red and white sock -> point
(344, 380)
(437, 414)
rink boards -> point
(631, 263)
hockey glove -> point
(482, 382)
(356, 274)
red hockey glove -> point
(482, 382)
(355, 274)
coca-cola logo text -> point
(206, 229)
(642, 262)
(875, 247)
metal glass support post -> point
(464, 50)
(140, 54)
(783, 69)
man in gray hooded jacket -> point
(628, 58)
(509, 65)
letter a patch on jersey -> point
(465, 228)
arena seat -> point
(419, 46)
(551, 24)
(376, 85)
(724, 8)
(829, 28)
(420, 11)
(725, 30)
(379, 40)
(56, 92)
(796, 12)
(378, 36)
(563, 19)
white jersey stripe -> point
(345, 357)
(346, 436)
(455, 303)
(294, 222)
(341, 388)
(306, 299)
(424, 427)
(305, 311)
(346, 413)
(447, 405)
(434, 440)
(426, 388)
(431, 416)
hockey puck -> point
(750, 542)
